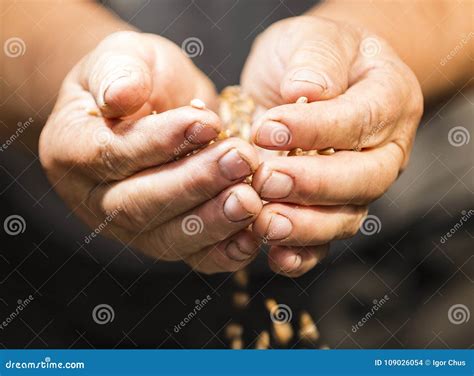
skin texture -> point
(108, 156)
(363, 101)
(122, 161)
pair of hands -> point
(120, 168)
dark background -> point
(405, 260)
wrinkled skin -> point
(114, 162)
(364, 101)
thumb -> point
(319, 67)
(117, 76)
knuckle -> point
(365, 118)
(119, 37)
(199, 182)
(371, 189)
(317, 190)
(106, 161)
(132, 214)
(350, 224)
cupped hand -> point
(123, 168)
(363, 101)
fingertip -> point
(295, 261)
(243, 203)
(126, 95)
(303, 82)
(237, 252)
(250, 199)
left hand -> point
(363, 101)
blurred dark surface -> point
(422, 276)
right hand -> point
(118, 166)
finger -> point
(360, 118)
(346, 177)
(233, 210)
(118, 74)
(229, 255)
(286, 224)
(156, 195)
(131, 146)
(295, 261)
(319, 67)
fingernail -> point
(113, 85)
(233, 166)
(279, 228)
(295, 263)
(234, 252)
(273, 134)
(309, 76)
(234, 210)
(199, 134)
(277, 185)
